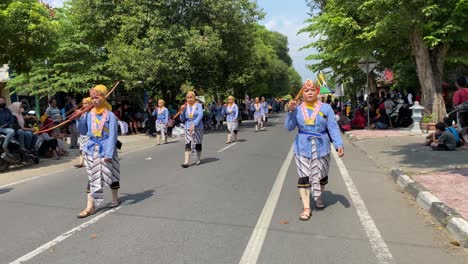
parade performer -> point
(231, 111)
(258, 114)
(316, 126)
(162, 117)
(100, 152)
(83, 139)
(192, 116)
(265, 109)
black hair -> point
(448, 121)
(462, 81)
(51, 100)
(441, 126)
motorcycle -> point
(16, 155)
(401, 115)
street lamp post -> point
(367, 65)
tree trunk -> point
(438, 56)
(424, 70)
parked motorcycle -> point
(401, 114)
(16, 155)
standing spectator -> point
(461, 97)
(70, 107)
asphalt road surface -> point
(241, 205)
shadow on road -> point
(141, 196)
(2, 191)
(208, 160)
(330, 199)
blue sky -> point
(283, 16)
(287, 17)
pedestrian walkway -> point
(442, 173)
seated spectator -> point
(359, 120)
(381, 121)
(343, 122)
(446, 141)
(448, 123)
(46, 145)
(6, 123)
(25, 134)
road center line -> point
(230, 145)
(252, 251)
(66, 235)
(377, 243)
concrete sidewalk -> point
(437, 180)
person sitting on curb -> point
(446, 141)
(448, 122)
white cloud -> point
(290, 28)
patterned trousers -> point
(313, 172)
(100, 174)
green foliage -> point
(27, 31)
(216, 46)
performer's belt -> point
(312, 134)
(97, 142)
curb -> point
(447, 216)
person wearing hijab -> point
(23, 136)
(100, 152)
(231, 111)
(162, 117)
(316, 125)
(83, 139)
(192, 116)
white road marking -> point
(62, 170)
(30, 179)
(66, 235)
(378, 245)
(230, 145)
(252, 251)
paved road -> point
(208, 213)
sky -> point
(286, 17)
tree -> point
(423, 29)
(28, 32)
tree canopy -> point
(420, 36)
(217, 46)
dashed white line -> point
(30, 179)
(380, 248)
(252, 251)
(66, 235)
(230, 145)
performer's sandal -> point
(114, 204)
(306, 214)
(184, 165)
(319, 203)
(85, 213)
(79, 165)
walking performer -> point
(316, 125)
(192, 116)
(101, 161)
(162, 117)
(258, 114)
(265, 109)
(83, 139)
(231, 111)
